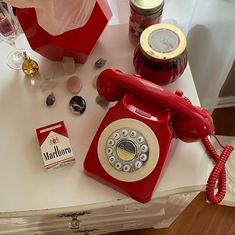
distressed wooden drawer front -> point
(163, 211)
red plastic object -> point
(168, 115)
(191, 123)
(218, 174)
(158, 121)
(77, 43)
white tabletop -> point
(24, 183)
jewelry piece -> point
(77, 105)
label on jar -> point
(163, 40)
(55, 145)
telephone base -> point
(129, 149)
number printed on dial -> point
(127, 150)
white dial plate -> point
(135, 151)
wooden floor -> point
(201, 218)
(224, 120)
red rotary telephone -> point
(132, 142)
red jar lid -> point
(162, 42)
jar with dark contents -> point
(143, 13)
(161, 55)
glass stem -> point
(12, 42)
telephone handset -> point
(191, 123)
(132, 142)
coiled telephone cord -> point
(218, 173)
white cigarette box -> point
(55, 145)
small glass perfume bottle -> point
(30, 67)
(161, 55)
(144, 13)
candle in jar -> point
(144, 13)
(161, 55)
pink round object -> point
(74, 84)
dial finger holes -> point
(144, 148)
(143, 157)
(140, 139)
(112, 159)
(110, 142)
(126, 168)
(109, 151)
(124, 132)
(133, 134)
(127, 150)
(138, 164)
(116, 135)
(118, 166)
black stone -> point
(77, 104)
(50, 99)
(100, 63)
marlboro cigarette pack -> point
(55, 145)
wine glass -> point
(9, 32)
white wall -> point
(211, 46)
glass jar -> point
(161, 55)
(144, 13)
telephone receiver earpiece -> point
(108, 87)
(190, 123)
